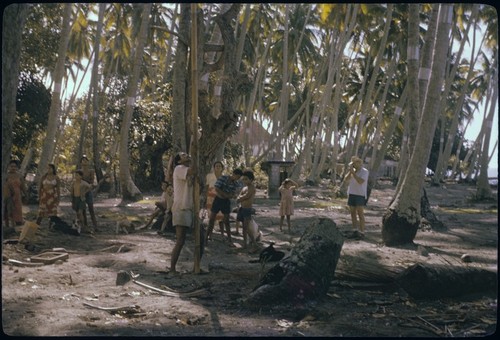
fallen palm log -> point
(307, 272)
(171, 292)
(368, 269)
(436, 281)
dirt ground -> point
(70, 297)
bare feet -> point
(171, 272)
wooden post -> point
(194, 137)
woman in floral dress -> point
(50, 193)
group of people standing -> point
(49, 194)
(178, 198)
(221, 189)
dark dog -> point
(269, 254)
(56, 223)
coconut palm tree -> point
(401, 220)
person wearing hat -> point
(357, 190)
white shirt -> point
(211, 179)
(355, 188)
(183, 189)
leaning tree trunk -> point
(483, 187)
(307, 272)
(48, 147)
(402, 219)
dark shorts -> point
(89, 197)
(243, 213)
(221, 204)
(356, 201)
(77, 204)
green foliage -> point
(261, 178)
(436, 147)
(150, 139)
(32, 111)
(41, 38)
(150, 136)
(233, 153)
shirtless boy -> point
(78, 191)
(245, 199)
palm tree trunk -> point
(55, 105)
(445, 155)
(95, 95)
(179, 137)
(129, 189)
(401, 221)
(258, 84)
(483, 187)
(280, 118)
(170, 44)
(368, 100)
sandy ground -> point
(78, 295)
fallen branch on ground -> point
(131, 309)
(171, 292)
(24, 264)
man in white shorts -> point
(182, 207)
(357, 191)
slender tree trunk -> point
(83, 128)
(170, 43)
(179, 137)
(414, 84)
(281, 116)
(129, 189)
(55, 106)
(368, 100)
(483, 187)
(258, 84)
(95, 95)
(443, 159)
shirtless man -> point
(78, 191)
(245, 199)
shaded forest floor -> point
(69, 297)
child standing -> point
(210, 180)
(78, 191)
(286, 204)
(245, 199)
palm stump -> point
(307, 272)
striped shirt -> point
(226, 184)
